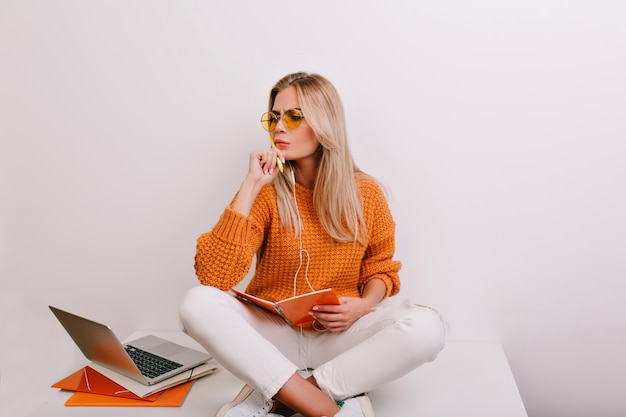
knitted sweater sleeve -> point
(378, 260)
(224, 255)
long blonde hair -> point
(336, 194)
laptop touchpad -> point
(167, 349)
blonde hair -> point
(336, 194)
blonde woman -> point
(320, 223)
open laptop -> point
(148, 360)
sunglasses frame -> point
(269, 120)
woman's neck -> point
(305, 173)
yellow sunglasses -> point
(291, 118)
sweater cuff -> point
(232, 226)
(390, 288)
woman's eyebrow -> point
(293, 108)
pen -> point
(280, 163)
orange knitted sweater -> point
(224, 255)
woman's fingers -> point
(269, 162)
(265, 161)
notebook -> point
(148, 360)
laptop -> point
(148, 360)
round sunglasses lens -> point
(269, 121)
(292, 118)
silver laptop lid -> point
(99, 344)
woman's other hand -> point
(337, 318)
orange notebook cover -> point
(171, 397)
(88, 380)
(294, 310)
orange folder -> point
(171, 397)
(92, 388)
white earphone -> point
(301, 250)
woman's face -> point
(298, 143)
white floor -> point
(467, 379)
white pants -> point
(262, 350)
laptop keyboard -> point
(150, 364)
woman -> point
(321, 223)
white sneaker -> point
(248, 403)
(356, 407)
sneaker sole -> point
(243, 394)
(366, 406)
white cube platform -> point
(467, 379)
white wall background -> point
(498, 126)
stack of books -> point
(95, 385)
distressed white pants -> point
(262, 350)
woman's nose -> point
(280, 126)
